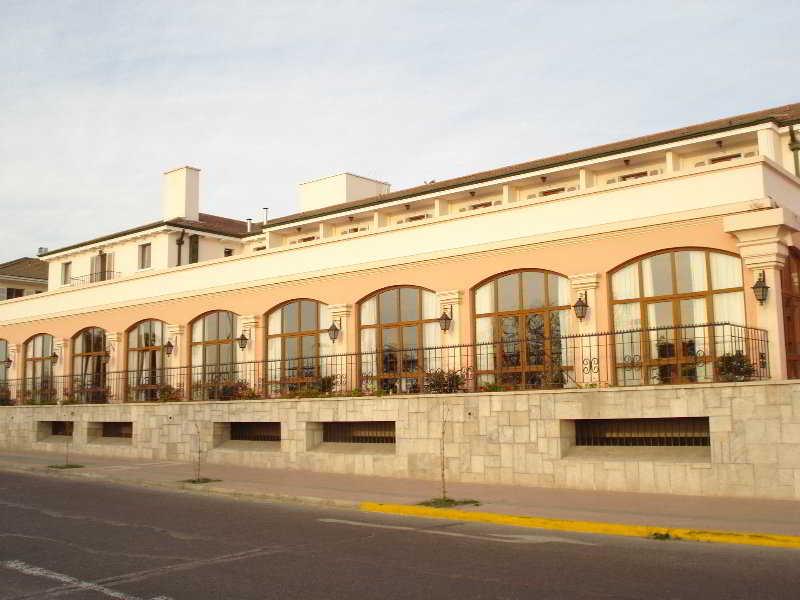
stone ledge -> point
(697, 455)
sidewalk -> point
(668, 511)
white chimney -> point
(336, 189)
(180, 196)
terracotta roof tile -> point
(29, 268)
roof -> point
(28, 268)
(206, 224)
(781, 115)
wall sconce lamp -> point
(446, 319)
(107, 354)
(6, 363)
(581, 307)
(242, 340)
(169, 348)
(334, 330)
(761, 289)
(54, 357)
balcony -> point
(704, 353)
(93, 278)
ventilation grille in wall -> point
(679, 431)
(359, 432)
(251, 431)
(480, 205)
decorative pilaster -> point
(248, 325)
(341, 315)
(62, 348)
(584, 286)
(764, 238)
(17, 358)
(176, 336)
(450, 302)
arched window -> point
(39, 384)
(396, 323)
(297, 338)
(214, 368)
(520, 320)
(146, 357)
(662, 298)
(89, 360)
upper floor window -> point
(66, 273)
(669, 294)
(396, 324)
(14, 293)
(520, 320)
(145, 256)
(297, 338)
(194, 248)
(101, 267)
(228, 252)
(89, 359)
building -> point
(22, 277)
(620, 317)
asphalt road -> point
(61, 538)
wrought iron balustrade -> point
(710, 352)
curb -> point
(597, 527)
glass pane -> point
(483, 330)
(694, 339)
(211, 327)
(310, 345)
(508, 292)
(308, 316)
(410, 341)
(368, 316)
(227, 354)
(657, 275)
(227, 325)
(290, 318)
(391, 338)
(534, 325)
(625, 283)
(211, 355)
(558, 289)
(409, 304)
(197, 330)
(726, 271)
(511, 348)
(532, 289)
(627, 316)
(693, 312)
(389, 302)
(662, 341)
(291, 348)
(430, 305)
(690, 271)
(391, 342)
(484, 299)
(729, 308)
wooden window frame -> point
(382, 377)
(527, 369)
(287, 380)
(150, 391)
(97, 391)
(214, 386)
(680, 358)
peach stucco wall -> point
(592, 254)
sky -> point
(98, 99)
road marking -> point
(23, 567)
(493, 537)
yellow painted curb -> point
(642, 531)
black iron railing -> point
(93, 278)
(710, 352)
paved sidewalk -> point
(727, 514)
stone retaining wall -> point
(522, 438)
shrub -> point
(735, 367)
(441, 381)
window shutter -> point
(94, 269)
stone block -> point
(720, 423)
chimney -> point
(249, 225)
(336, 189)
(180, 197)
